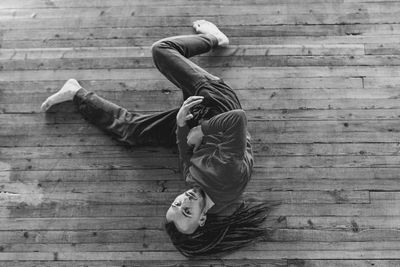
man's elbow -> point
(240, 116)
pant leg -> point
(171, 55)
(128, 127)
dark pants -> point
(170, 56)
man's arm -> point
(233, 126)
(185, 151)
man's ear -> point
(203, 219)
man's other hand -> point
(184, 112)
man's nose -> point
(185, 200)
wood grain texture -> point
(318, 80)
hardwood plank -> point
(323, 246)
(335, 235)
(293, 61)
(250, 98)
(234, 31)
(263, 40)
(85, 152)
(91, 225)
(173, 99)
(97, 163)
(327, 173)
(254, 73)
(314, 15)
(271, 58)
(259, 246)
(268, 104)
(84, 194)
(282, 120)
(312, 9)
(91, 175)
(238, 255)
(97, 223)
(101, 3)
(235, 40)
(332, 189)
(350, 223)
(199, 10)
(31, 256)
(298, 174)
(170, 256)
(206, 62)
(172, 162)
(272, 179)
(106, 223)
(374, 209)
(371, 149)
(382, 49)
(54, 210)
(163, 84)
(155, 263)
(216, 262)
(342, 263)
(89, 236)
(274, 138)
(391, 82)
(104, 3)
(384, 196)
(327, 184)
(324, 149)
(142, 52)
(279, 105)
(273, 126)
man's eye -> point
(187, 211)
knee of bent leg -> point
(156, 49)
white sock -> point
(66, 93)
(206, 27)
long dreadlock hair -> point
(222, 235)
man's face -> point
(186, 211)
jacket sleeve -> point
(233, 127)
(185, 151)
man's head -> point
(187, 211)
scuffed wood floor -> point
(319, 80)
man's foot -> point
(206, 27)
(66, 93)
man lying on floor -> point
(210, 129)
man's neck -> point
(208, 203)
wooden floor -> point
(320, 81)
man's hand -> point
(184, 112)
(195, 137)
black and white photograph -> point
(179, 133)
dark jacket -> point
(222, 164)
